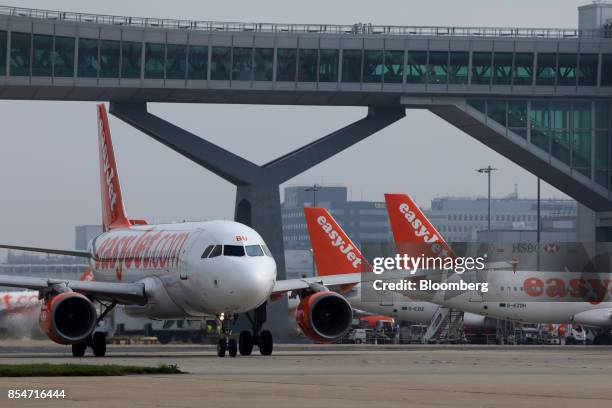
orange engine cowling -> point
(68, 318)
(324, 316)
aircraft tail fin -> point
(113, 213)
(412, 232)
(333, 251)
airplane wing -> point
(124, 293)
(305, 283)
(81, 254)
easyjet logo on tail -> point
(420, 230)
(338, 242)
(109, 173)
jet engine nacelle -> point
(68, 318)
(478, 322)
(594, 317)
(324, 316)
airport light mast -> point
(488, 171)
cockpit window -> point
(233, 250)
(207, 251)
(267, 251)
(254, 250)
(216, 251)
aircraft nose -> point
(257, 282)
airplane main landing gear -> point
(262, 339)
(97, 342)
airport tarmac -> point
(330, 376)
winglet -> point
(412, 232)
(334, 252)
(113, 213)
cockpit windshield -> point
(233, 250)
(254, 250)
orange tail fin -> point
(113, 214)
(412, 232)
(333, 251)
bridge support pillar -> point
(257, 196)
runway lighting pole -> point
(488, 171)
(538, 224)
(315, 187)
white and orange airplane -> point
(335, 253)
(560, 297)
(176, 271)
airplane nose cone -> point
(257, 282)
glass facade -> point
(155, 55)
(45, 55)
(131, 56)
(286, 65)
(328, 65)
(263, 65)
(42, 50)
(220, 63)
(63, 57)
(3, 40)
(482, 68)
(197, 62)
(88, 58)
(110, 53)
(351, 65)
(20, 54)
(438, 67)
(394, 67)
(242, 67)
(563, 129)
(307, 65)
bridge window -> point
(176, 61)
(41, 55)
(328, 65)
(416, 69)
(502, 67)
(63, 57)
(20, 54)
(587, 70)
(220, 63)
(547, 69)
(131, 59)
(307, 67)
(523, 68)
(602, 157)
(263, 59)
(581, 118)
(481, 68)
(286, 63)
(3, 52)
(566, 73)
(197, 67)
(581, 152)
(438, 67)
(154, 61)
(496, 110)
(517, 117)
(394, 67)
(561, 113)
(110, 52)
(606, 70)
(459, 67)
(351, 65)
(560, 145)
(372, 66)
(88, 58)
(540, 123)
(242, 67)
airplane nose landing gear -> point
(262, 339)
(225, 343)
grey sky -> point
(49, 163)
